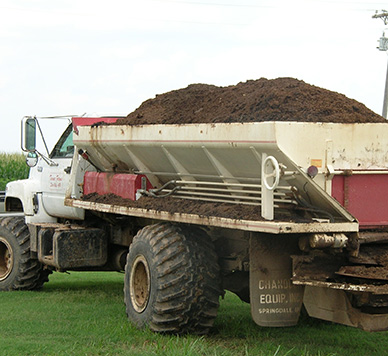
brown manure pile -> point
(282, 99)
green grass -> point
(83, 314)
(12, 167)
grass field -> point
(83, 314)
(12, 167)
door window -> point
(64, 147)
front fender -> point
(23, 190)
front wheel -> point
(18, 271)
(172, 280)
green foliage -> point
(83, 314)
(12, 167)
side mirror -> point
(29, 134)
(31, 159)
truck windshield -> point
(64, 147)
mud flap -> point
(334, 305)
(275, 301)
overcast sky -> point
(69, 57)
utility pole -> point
(383, 46)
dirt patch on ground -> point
(282, 99)
(201, 208)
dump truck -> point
(286, 215)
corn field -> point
(12, 167)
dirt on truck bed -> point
(282, 99)
(202, 208)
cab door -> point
(55, 178)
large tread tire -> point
(18, 271)
(172, 280)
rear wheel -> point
(18, 271)
(6, 258)
(172, 280)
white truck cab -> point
(41, 196)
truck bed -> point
(231, 156)
(186, 213)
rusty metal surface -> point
(362, 272)
(374, 289)
(334, 305)
(271, 227)
(371, 237)
(335, 271)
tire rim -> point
(6, 258)
(140, 284)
